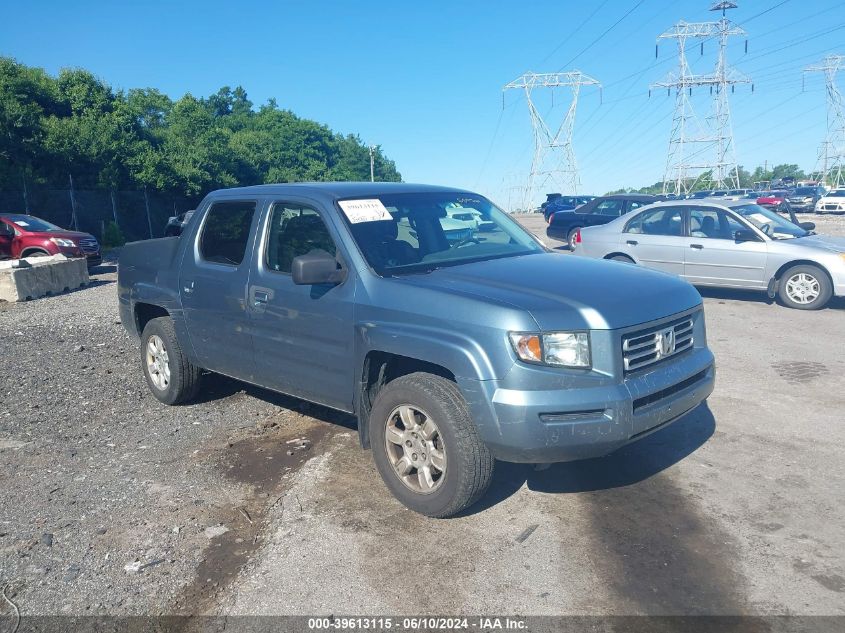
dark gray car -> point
(450, 353)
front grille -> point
(649, 346)
(89, 245)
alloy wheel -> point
(158, 363)
(415, 449)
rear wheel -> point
(172, 379)
(805, 287)
(426, 446)
(572, 236)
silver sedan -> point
(728, 244)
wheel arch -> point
(31, 250)
(380, 368)
(144, 312)
(775, 280)
(619, 254)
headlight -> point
(59, 241)
(556, 349)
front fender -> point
(462, 355)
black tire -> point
(469, 464)
(570, 237)
(622, 258)
(825, 288)
(184, 379)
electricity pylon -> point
(716, 132)
(553, 163)
(832, 150)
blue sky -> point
(424, 79)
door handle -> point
(632, 242)
(260, 298)
(188, 288)
(696, 246)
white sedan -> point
(832, 201)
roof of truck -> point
(338, 189)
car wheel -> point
(805, 287)
(426, 446)
(171, 377)
(622, 258)
(571, 236)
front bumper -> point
(94, 259)
(570, 421)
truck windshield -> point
(419, 232)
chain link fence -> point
(140, 215)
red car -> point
(27, 236)
(774, 200)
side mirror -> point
(807, 226)
(746, 235)
(317, 267)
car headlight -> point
(556, 349)
(60, 241)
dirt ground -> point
(248, 502)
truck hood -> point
(567, 293)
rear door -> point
(656, 238)
(213, 282)
(715, 258)
(604, 212)
(303, 334)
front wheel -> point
(572, 237)
(426, 446)
(172, 379)
(805, 288)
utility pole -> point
(372, 163)
(688, 131)
(554, 158)
(832, 149)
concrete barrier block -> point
(33, 277)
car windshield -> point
(839, 193)
(31, 223)
(770, 222)
(413, 232)
(805, 191)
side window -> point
(295, 231)
(633, 204)
(713, 224)
(225, 233)
(660, 221)
(609, 207)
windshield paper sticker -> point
(364, 210)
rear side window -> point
(226, 232)
(660, 221)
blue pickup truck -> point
(451, 353)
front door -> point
(7, 234)
(303, 334)
(213, 286)
(656, 239)
(715, 258)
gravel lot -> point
(250, 502)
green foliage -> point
(52, 128)
(113, 236)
